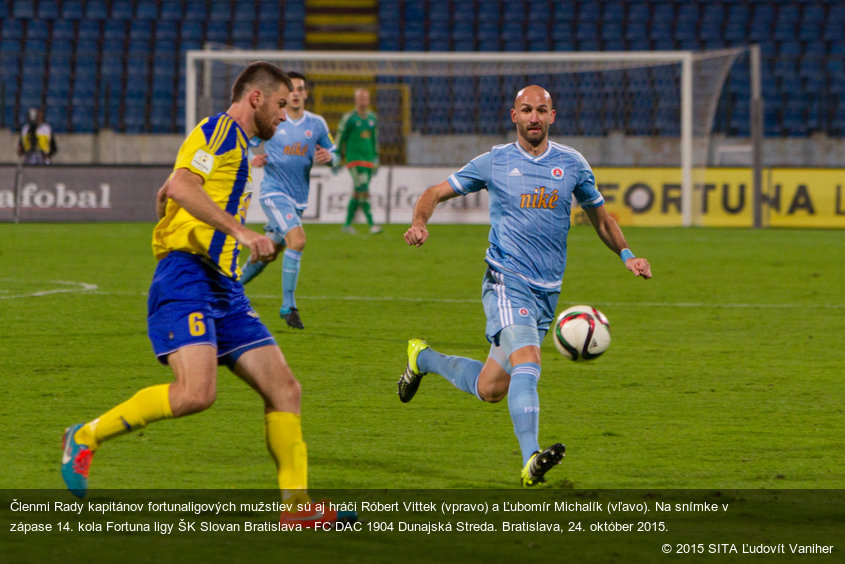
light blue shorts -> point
(282, 215)
(508, 300)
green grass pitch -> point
(725, 370)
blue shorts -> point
(191, 303)
(282, 215)
(508, 300)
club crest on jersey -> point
(523, 312)
(557, 173)
(308, 134)
(539, 199)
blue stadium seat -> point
(170, 12)
(192, 31)
(268, 12)
(243, 32)
(122, 10)
(12, 29)
(23, 9)
(82, 118)
(219, 11)
(114, 30)
(134, 119)
(166, 31)
(196, 11)
(664, 12)
(48, 9)
(267, 36)
(140, 30)
(735, 32)
(37, 30)
(809, 31)
(217, 32)
(72, 10)
(89, 31)
(148, 10)
(63, 30)
(161, 116)
(96, 10)
(784, 30)
(56, 115)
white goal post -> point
(697, 79)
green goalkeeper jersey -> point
(357, 139)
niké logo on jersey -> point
(297, 149)
(539, 199)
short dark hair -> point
(262, 75)
(299, 75)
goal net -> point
(632, 109)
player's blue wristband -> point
(626, 254)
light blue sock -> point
(290, 274)
(460, 371)
(251, 270)
(524, 406)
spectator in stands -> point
(37, 143)
(357, 143)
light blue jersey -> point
(530, 201)
(290, 155)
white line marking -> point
(74, 287)
(478, 301)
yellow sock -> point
(283, 432)
(148, 405)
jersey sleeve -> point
(586, 193)
(196, 156)
(325, 140)
(473, 177)
(341, 133)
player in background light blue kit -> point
(530, 183)
(299, 142)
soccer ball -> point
(581, 333)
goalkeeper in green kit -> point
(357, 144)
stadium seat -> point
(114, 30)
(48, 9)
(96, 10)
(148, 10)
(170, 12)
(267, 36)
(191, 31)
(122, 10)
(242, 32)
(37, 30)
(268, 13)
(12, 29)
(195, 11)
(23, 9)
(56, 115)
(166, 31)
(141, 30)
(219, 11)
(72, 10)
(134, 118)
(217, 32)
(82, 118)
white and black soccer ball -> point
(581, 332)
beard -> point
(532, 136)
(265, 129)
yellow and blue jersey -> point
(216, 150)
